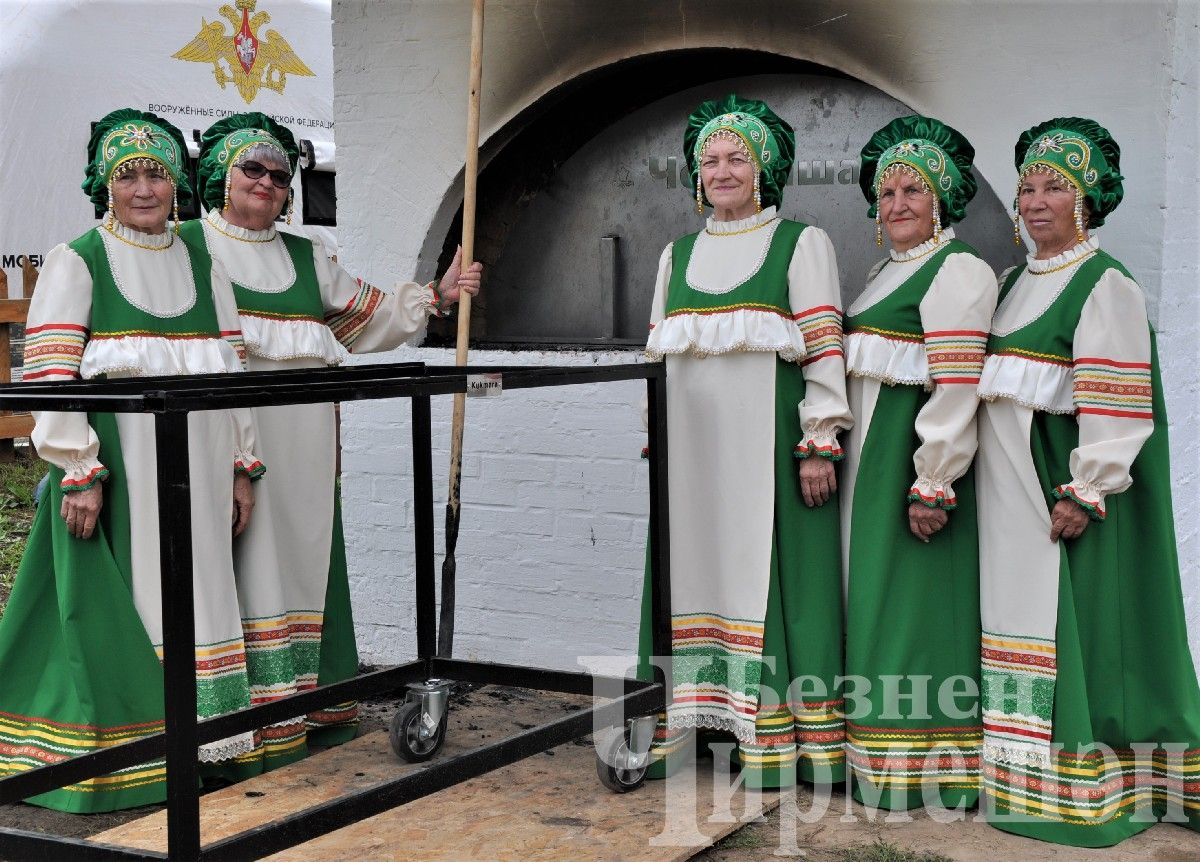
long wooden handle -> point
(445, 644)
(470, 172)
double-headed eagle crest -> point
(240, 56)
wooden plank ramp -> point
(547, 806)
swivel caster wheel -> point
(623, 755)
(418, 729)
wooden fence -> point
(13, 312)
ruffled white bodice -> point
(888, 360)
(1033, 383)
(725, 332)
(1044, 384)
(725, 256)
(153, 273)
(152, 356)
(889, 357)
(259, 262)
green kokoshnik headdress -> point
(225, 140)
(768, 140)
(1082, 152)
(125, 136)
(929, 150)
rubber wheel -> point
(404, 734)
(615, 749)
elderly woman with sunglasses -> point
(298, 309)
(81, 639)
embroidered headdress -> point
(126, 136)
(767, 139)
(934, 153)
(227, 140)
(1082, 152)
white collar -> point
(1074, 253)
(741, 225)
(218, 221)
(145, 240)
(923, 248)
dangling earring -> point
(175, 208)
(112, 213)
(1079, 237)
(228, 178)
(1017, 214)
(878, 229)
(757, 192)
(699, 195)
(937, 221)
(291, 203)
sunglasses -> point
(256, 171)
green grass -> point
(745, 838)
(17, 481)
(882, 851)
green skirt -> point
(912, 629)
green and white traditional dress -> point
(746, 315)
(914, 350)
(1091, 706)
(299, 309)
(81, 638)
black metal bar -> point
(223, 379)
(542, 679)
(270, 388)
(19, 844)
(319, 820)
(423, 517)
(179, 635)
(660, 522)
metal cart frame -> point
(170, 400)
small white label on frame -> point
(484, 385)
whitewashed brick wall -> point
(555, 496)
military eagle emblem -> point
(240, 56)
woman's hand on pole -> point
(243, 502)
(818, 480)
(455, 281)
(924, 520)
(1068, 520)
(81, 509)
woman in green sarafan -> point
(747, 317)
(298, 310)
(1091, 707)
(914, 349)
(81, 638)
